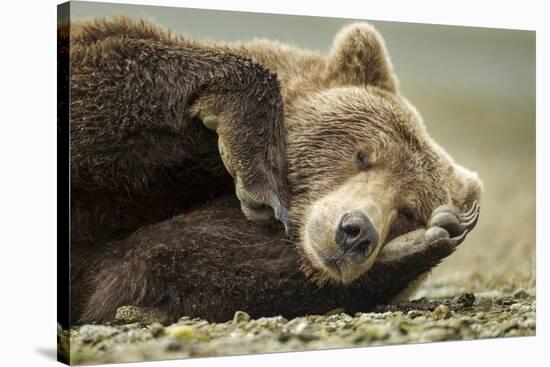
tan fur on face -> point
(366, 192)
(408, 172)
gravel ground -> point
(501, 312)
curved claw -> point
(458, 225)
(466, 219)
(459, 239)
(472, 210)
(281, 214)
(472, 213)
(469, 221)
(472, 222)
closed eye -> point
(404, 222)
(361, 160)
(407, 215)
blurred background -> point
(474, 87)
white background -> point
(28, 181)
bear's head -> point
(362, 168)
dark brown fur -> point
(175, 267)
(154, 218)
(138, 157)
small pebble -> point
(132, 314)
(184, 332)
(241, 316)
(505, 301)
(156, 329)
(173, 346)
(335, 311)
(483, 301)
(465, 300)
(414, 313)
(307, 332)
(441, 312)
(521, 294)
(184, 319)
(525, 308)
(515, 307)
(284, 337)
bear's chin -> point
(345, 271)
(324, 266)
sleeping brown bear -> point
(165, 130)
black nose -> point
(356, 235)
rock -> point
(398, 314)
(441, 312)
(521, 294)
(284, 337)
(156, 329)
(505, 301)
(271, 322)
(525, 308)
(414, 314)
(515, 307)
(173, 346)
(131, 314)
(335, 311)
(195, 321)
(406, 327)
(483, 301)
(184, 332)
(184, 320)
(306, 331)
(240, 316)
(509, 325)
(278, 320)
(381, 316)
(464, 300)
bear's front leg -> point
(408, 258)
(249, 160)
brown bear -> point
(164, 131)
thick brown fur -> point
(137, 157)
(174, 267)
(154, 218)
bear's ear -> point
(466, 187)
(359, 57)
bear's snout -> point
(356, 235)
